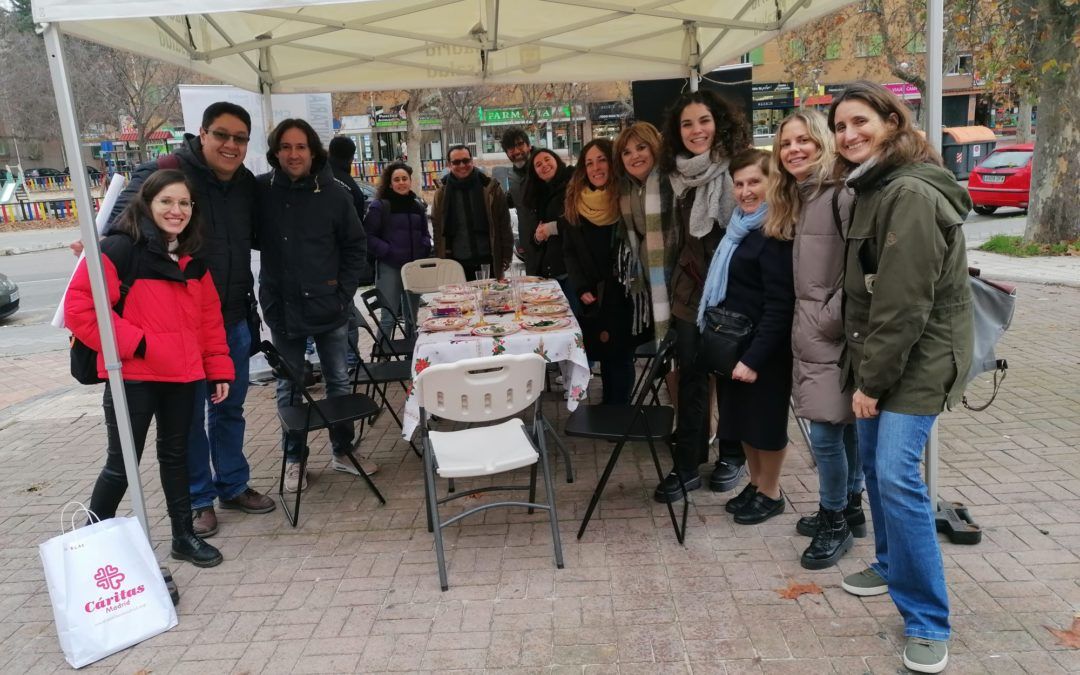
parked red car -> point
(1002, 179)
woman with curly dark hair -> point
(701, 134)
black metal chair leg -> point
(680, 533)
(562, 448)
(600, 487)
(364, 475)
(532, 488)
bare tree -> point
(145, 89)
(534, 98)
(805, 50)
(417, 101)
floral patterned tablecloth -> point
(565, 347)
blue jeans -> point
(388, 281)
(331, 346)
(215, 454)
(836, 451)
(905, 536)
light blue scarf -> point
(715, 290)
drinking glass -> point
(485, 271)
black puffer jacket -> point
(313, 249)
(546, 259)
(227, 211)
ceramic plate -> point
(539, 296)
(496, 329)
(445, 323)
(454, 288)
(546, 310)
(453, 298)
(540, 325)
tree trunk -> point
(1055, 173)
(412, 137)
(1023, 122)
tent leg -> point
(935, 44)
(69, 129)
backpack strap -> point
(127, 279)
(836, 212)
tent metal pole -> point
(935, 41)
(693, 54)
(102, 307)
(264, 88)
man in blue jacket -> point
(313, 248)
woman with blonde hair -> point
(806, 204)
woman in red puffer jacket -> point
(170, 335)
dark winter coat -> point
(500, 235)
(817, 330)
(547, 259)
(397, 230)
(526, 217)
(227, 217)
(907, 303)
(170, 329)
(313, 249)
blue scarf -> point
(715, 290)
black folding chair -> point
(645, 420)
(376, 377)
(645, 352)
(386, 346)
(309, 415)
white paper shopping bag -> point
(106, 589)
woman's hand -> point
(221, 390)
(864, 406)
(540, 234)
(744, 373)
(588, 298)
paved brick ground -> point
(354, 588)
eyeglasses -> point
(459, 162)
(224, 136)
(167, 203)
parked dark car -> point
(9, 297)
(44, 171)
(1002, 179)
(90, 171)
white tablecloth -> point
(565, 347)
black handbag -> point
(254, 324)
(726, 337)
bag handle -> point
(1002, 370)
(71, 521)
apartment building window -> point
(745, 58)
(868, 45)
(833, 50)
(916, 44)
(757, 56)
(964, 65)
(797, 49)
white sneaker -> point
(294, 482)
(343, 465)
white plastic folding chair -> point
(426, 275)
(478, 391)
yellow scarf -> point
(595, 206)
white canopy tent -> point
(286, 46)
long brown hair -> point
(579, 182)
(902, 145)
(188, 241)
(783, 197)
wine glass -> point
(478, 297)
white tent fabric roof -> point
(346, 45)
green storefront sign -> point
(511, 115)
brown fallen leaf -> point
(794, 590)
(1068, 638)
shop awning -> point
(159, 135)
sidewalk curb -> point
(32, 248)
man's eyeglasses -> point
(167, 203)
(224, 136)
(459, 162)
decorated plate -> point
(453, 298)
(540, 296)
(445, 323)
(481, 283)
(532, 280)
(539, 325)
(546, 310)
(496, 329)
(454, 288)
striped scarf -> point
(641, 212)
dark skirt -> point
(607, 325)
(757, 414)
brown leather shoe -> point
(249, 501)
(204, 522)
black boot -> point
(187, 546)
(853, 512)
(833, 539)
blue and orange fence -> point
(431, 171)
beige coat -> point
(817, 330)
